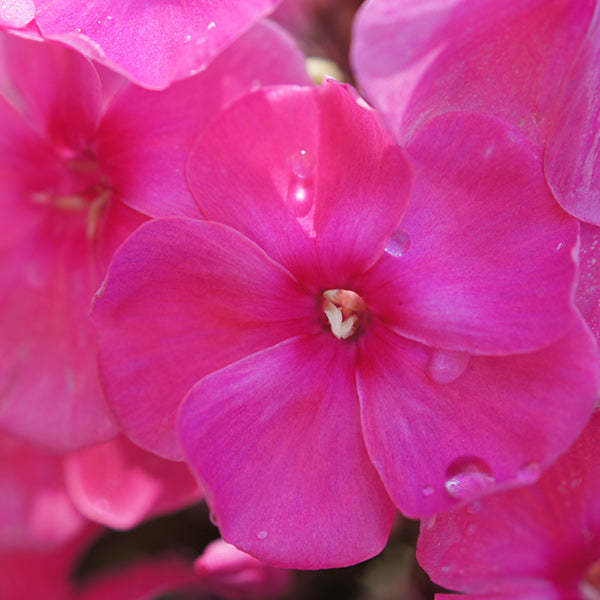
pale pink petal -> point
(152, 43)
(416, 60)
(572, 162)
(491, 423)
(35, 509)
(325, 177)
(145, 136)
(16, 13)
(276, 440)
(183, 298)
(551, 528)
(490, 266)
(235, 575)
(587, 295)
(42, 80)
(120, 485)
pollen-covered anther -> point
(344, 310)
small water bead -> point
(211, 25)
(261, 535)
(447, 366)
(187, 39)
(398, 244)
(468, 477)
(428, 491)
(302, 164)
(300, 196)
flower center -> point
(83, 190)
(590, 586)
(344, 310)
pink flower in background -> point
(535, 63)
(120, 485)
(85, 157)
(538, 542)
(342, 352)
(151, 43)
(234, 575)
(36, 512)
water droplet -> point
(78, 30)
(261, 535)
(529, 472)
(300, 196)
(447, 366)
(398, 244)
(428, 491)
(302, 164)
(211, 25)
(468, 477)
(187, 38)
(471, 529)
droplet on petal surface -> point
(300, 196)
(302, 164)
(447, 366)
(428, 491)
(467, 477)
(261, 535)
(529, 472)
(398, 244)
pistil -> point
(344, 310)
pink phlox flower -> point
(234, 575)
(534, 63)
(152, 44)
(536, 542)
(85, 157)
(339, 350)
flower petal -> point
(276, 440)
(416, 60)
(184, 298)
(120, 485)
(151, 43)
(572, 162)
(490, 269)
(588, 288)
(457, 438)
(145, 137)
(325, 176)
(551, 528)
(16, 13)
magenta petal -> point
(587, 295)
(497, 424)
(490, 268)
(184, 298)
(120, 485)
(16, 13)
(145, 136)
(42, 79)
(572, 162)
(152, 43)
(326, 176)
(276, 440)
(416, 60)
(551, 528)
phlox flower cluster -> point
(318, 307)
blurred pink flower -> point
(151, 43)
(342, 352)
(85, 157)
(535, 63)
(538, 542)
(234, 575)
(120, 485)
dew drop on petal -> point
(530, 472)
(187, 38)
(428, 491)
(467, 477)
(447, 366)
(211, 25)
(302, 164)
(300, 196)
(398, 244)
(261, 535)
